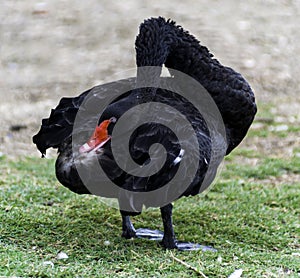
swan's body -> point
(159, 42)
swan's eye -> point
(113, 119)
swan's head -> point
(99, 137)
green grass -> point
(251, 216)
(253, 224)
(269, 126)
(266, 167)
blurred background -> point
(59, 48)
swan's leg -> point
(128, 231)
(169, 241)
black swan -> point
(159, 42)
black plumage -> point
(158, 43)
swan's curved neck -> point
(152, 49)
(163, 42)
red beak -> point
(99, 137)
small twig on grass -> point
(199, 272)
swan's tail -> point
(58, 127)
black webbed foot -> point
(169, 240)
(171, 243)
(188, 246)
(149, 234)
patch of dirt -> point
(55, 49)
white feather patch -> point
(179, 157)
